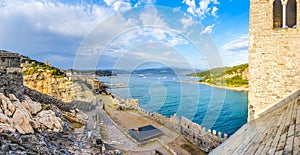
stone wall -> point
(274, 58)
(10, 74)
(198, 135)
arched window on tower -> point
(277, 14)
(291, 14)
(284, 13)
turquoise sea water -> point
(213, 108)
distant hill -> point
(94, 72)
(235, 76)
(118, 71)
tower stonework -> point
(274, 55)
(11, 79)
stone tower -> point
(274, 52)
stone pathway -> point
(115, 135)
(277, 132)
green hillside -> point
(235, 76)
(31, 66)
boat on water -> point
(141, 75)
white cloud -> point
(109, 2)
(201, 9)
(187, 22)
(208, 29)
(151, 17)
(121, 6)
(118, 5)
(145, 2)
(235, 58)
(168, 53)
(238, 44)
(37, 27)
(52, 17)
(214, 11)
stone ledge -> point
(279, 104)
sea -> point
(168, 94)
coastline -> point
(238, 89)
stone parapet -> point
(198, 135)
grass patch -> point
(76, 125)
(103, 132)
(46, 107)
(192, 149)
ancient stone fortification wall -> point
(10, 74)
(198, 135)
(274, 58)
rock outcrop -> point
(48, 120)
(21, 122)
(47, 80)
(21, 116)
(31, 106)
(32, 122)
(35, 128)
(44, 82)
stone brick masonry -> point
(11, 74)
(274, 58)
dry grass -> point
(182, 146)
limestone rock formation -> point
(28, 115)
(74, 117)
(44, 82)
(6, 127)
(7, 107)
(31, 106)
(48, 120)
(4, 119)
(21, 122)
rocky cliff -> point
(48, 80)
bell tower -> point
(274, 52)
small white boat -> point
(141, 75)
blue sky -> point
(63, 31)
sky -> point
(126, 34)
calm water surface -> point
(213, 108)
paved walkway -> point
(115, 135)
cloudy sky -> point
(127, 33)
